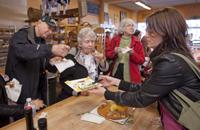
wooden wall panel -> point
(189, 11)
(114, 14)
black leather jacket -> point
(169, 72)
(26, 61)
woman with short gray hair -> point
(86, 33)
(87, 55)
(124, 23)
(88, 62)
(126, 52)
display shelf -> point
(5, 35)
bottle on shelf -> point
(29, 118)
(42, 123)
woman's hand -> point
(108, 81)
(99, 90)
(84, 93)
(98, 56)
(117, 50)
(131, 51)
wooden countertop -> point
(66, 114)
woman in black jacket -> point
(5, 109)
(166, 32)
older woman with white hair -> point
(126, 52)
(88, 62)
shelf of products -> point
(67, 27)
(66, 34)
(5, 35)
(100, 43)
(72, 32)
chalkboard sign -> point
(93, 8)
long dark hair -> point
(171, 25)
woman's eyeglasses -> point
(89, 41)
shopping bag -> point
(190, 114)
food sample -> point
(83, 84)
(113, 111)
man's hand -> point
(56, 59)
(60, 50)
(38, 104)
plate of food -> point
(112, 111)
(83, 84)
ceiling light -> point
(143, 5)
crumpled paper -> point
(13, 93)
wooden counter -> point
(66, 114)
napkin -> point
(43, 115)
(14, 92)
(64, 64)
(92, 118)
(125, 50)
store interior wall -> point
(34, 4)
(13, 13)
(114, 14)
(92, 18)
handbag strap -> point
(184, 101)
(179, 96)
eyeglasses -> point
(89, 41)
